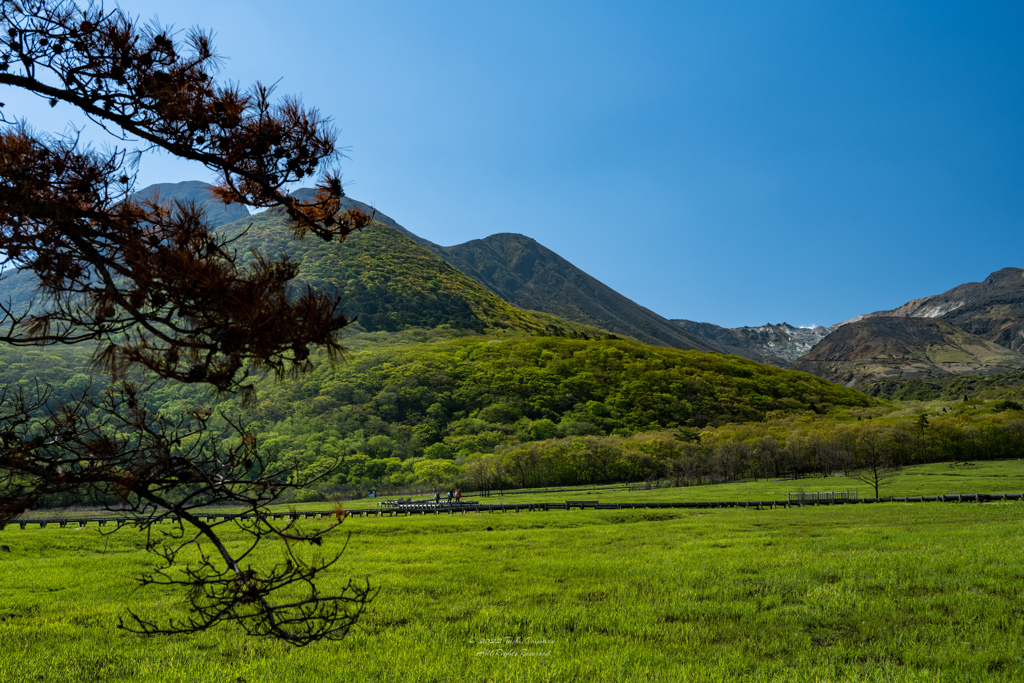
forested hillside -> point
(399, 398)
(525, 273)
(494, 388)
(447, 383)
(451, 401)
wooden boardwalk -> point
(431, 508)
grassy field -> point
(1005, 476)
(923, 480)
(888, 592)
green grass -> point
(886, 592)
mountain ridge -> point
(389, 282)
(527, 274)
(992, 309)
(885, 348)
(775, 344)
(217, 212)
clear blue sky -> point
(730, 162)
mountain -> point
(919, 349)
(389, 282)
(777, 345)
(992, 309)
(18, 287)
(527, 274)
(217, 212)
(441, 371)
(885, 348)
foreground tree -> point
(157, 291)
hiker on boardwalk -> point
(449, 497)
(437, 498)
(458, 495)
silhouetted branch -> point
(151, 467)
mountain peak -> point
(776, 344)
(217, 212)
(525, 273)
(992, 309)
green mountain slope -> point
(473, 395)
(890, 348)
(400, 408)
(1001, 386)
(389, 281)
(529, 275)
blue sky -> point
(729, 162)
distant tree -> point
(837, 451)
(921, 423)
(875, 463)
(767, 457)
(435, 472)
(154, 289)
(476, 475)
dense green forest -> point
(791, 447)
(432, 408)
(389, 406)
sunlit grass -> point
(883, 592)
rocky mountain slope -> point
(992, 308)
(991, 311)
(974, 329)
(777, 345)
(882, 348)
